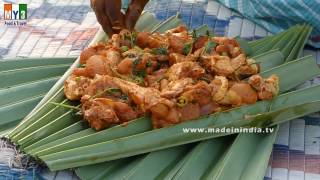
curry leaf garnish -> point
(107, 90)
(139, 80)
(140, 73)
(187, 48)
(124, 48)
(133, 38)
(194, 34)
(209, 33)
(149, 63)
(160, 51)
(210, 45)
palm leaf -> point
(11, 114)
(134, 127)
(19, 63)
(25, 93)
(203, 157)
(146, 22)
(26, 90)
(147, 169)
(12, 77)
(245, 149)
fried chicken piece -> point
(267, 88)
(239, 66)
(176, 58)
(198, 93)
(178, 38)
(247, 69)
(102, 112)
(239, 94)
(220, 86)
(124, 38)
(185, 69)
(132, 53)
(163, 111)
(96, 64)
(124, 112)
(75, 86)
(125, 66)
(200, 42)
(99, 113)
(210, 108)
(177, 29)
(91, 51)
(227, 46)
(195, 95)
(176, 87)
(238, 61)
(164, 117)
(143, 39)
(143, 97)
(145, 63)
(176, 44)
(220, 65)
(115, 40)
(180, 31)
(154, 80)
(156, 40)
(189, 112)
(112, 56)
(103, 87)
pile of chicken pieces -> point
(174, 77)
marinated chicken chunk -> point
(185, 69)
(99, 113)
(103, 112)
(149, 100)
(175, 88)
(266, 88)
(239, 94)
(75, 86)
(97, 49)
(103, 87)
(96, 64)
